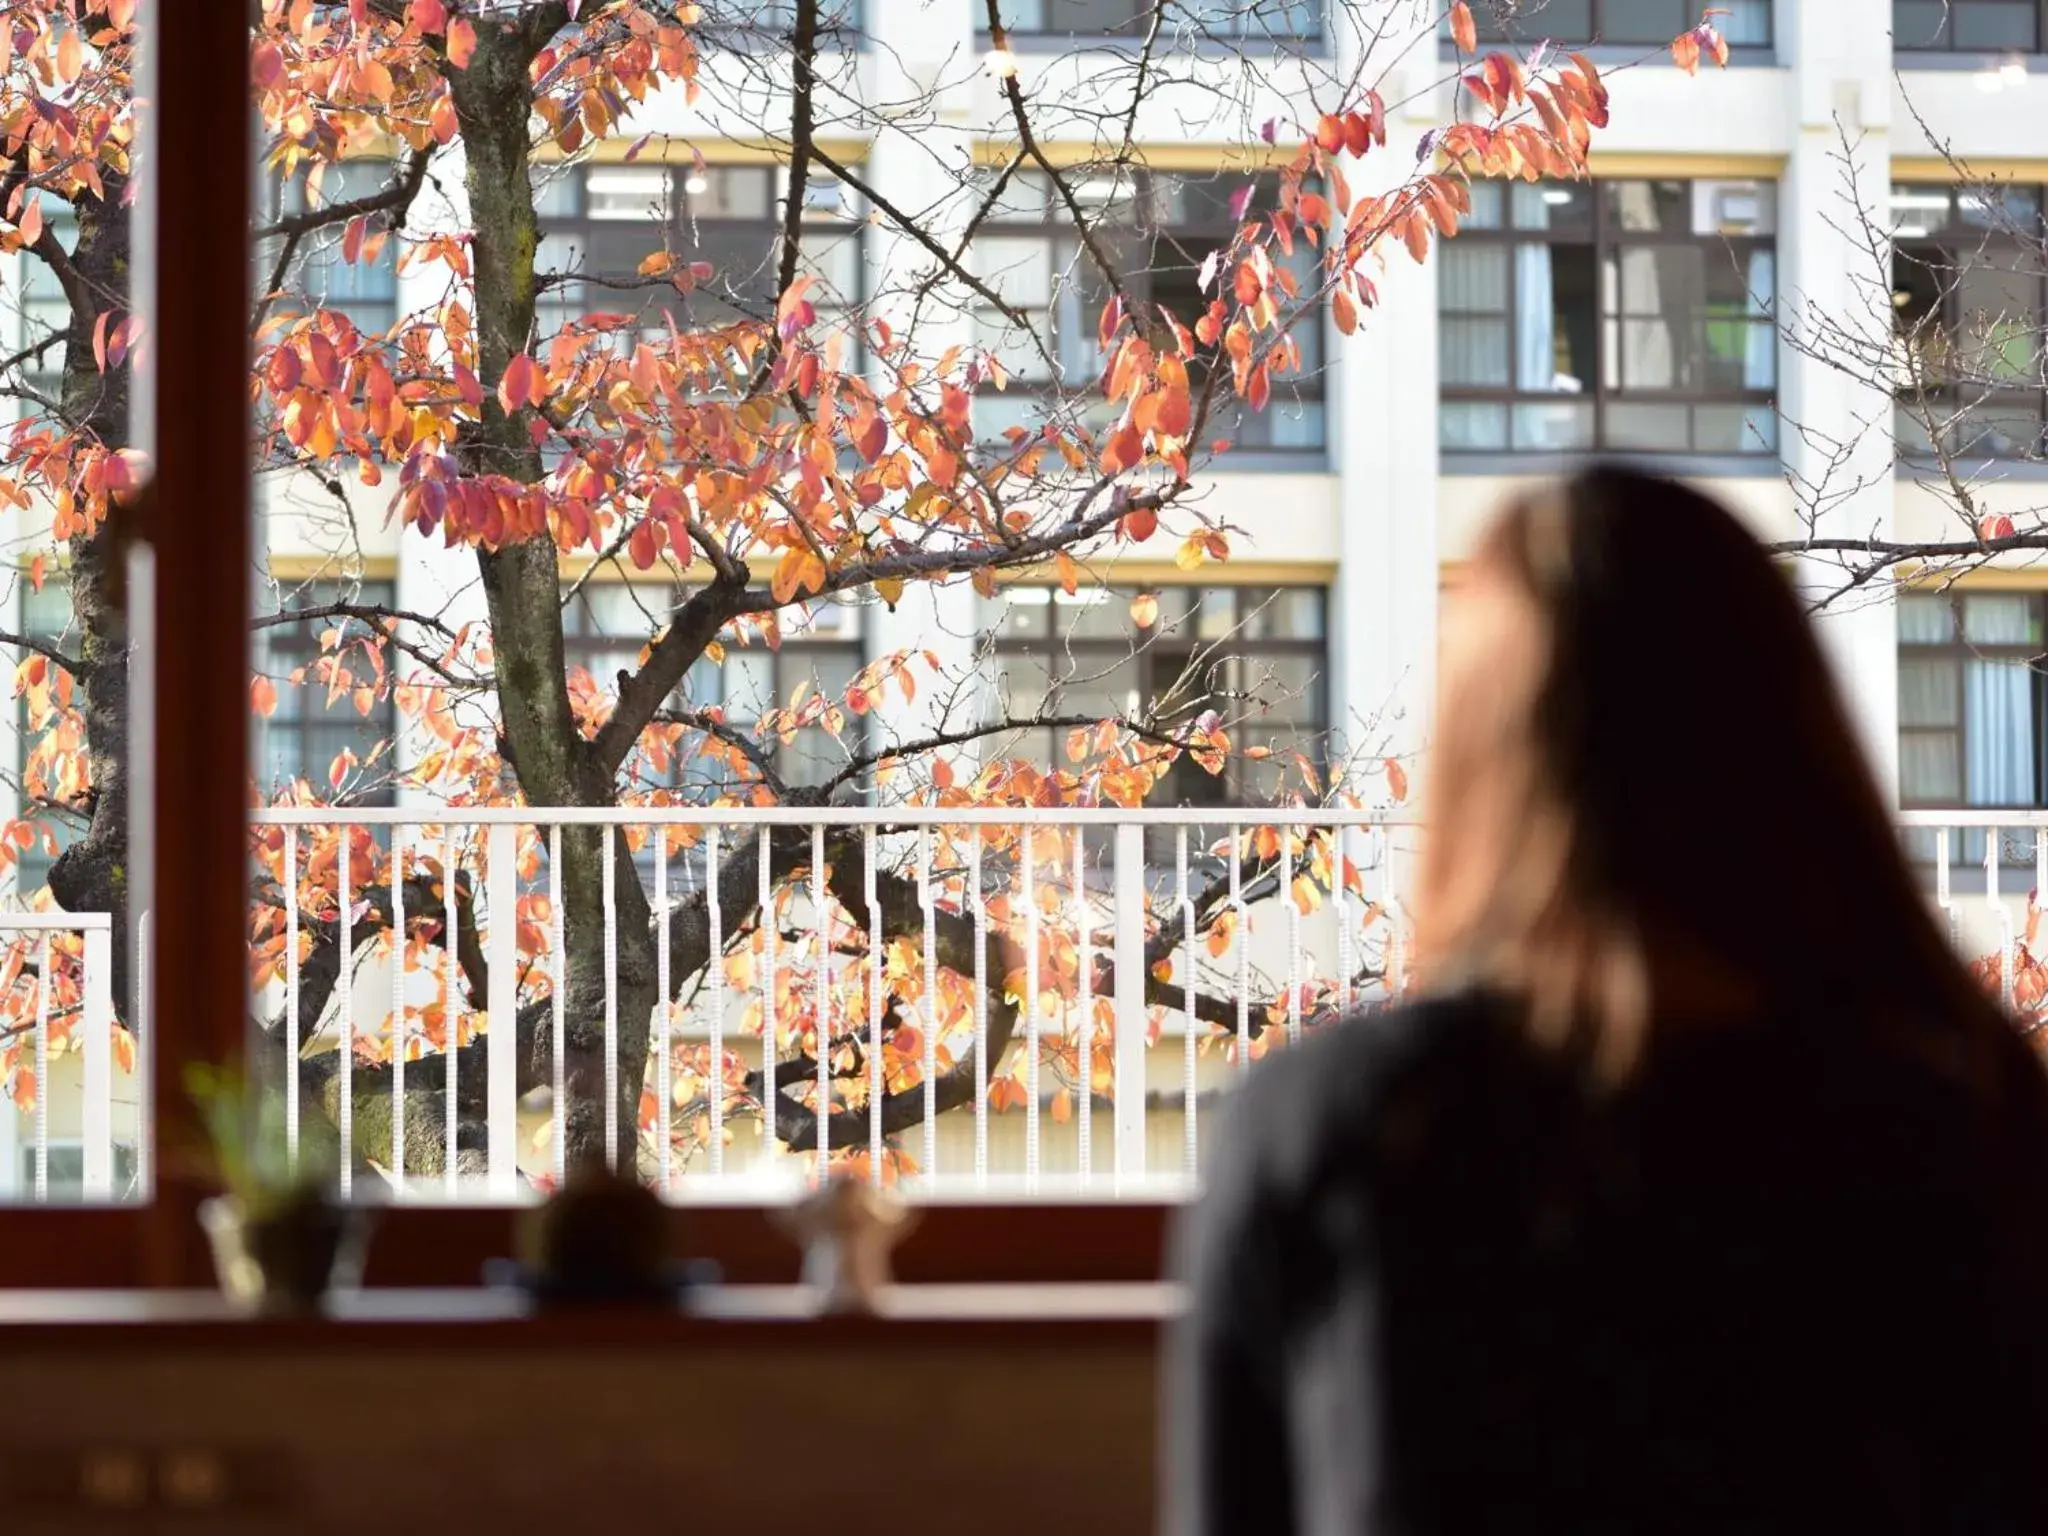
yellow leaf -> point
(889, 589)
(1189, 555)
(656, 264)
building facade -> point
(1643, 313)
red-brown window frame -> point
(200, 506)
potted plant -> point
(281, 1242)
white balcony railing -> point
(1010, 1002)
(970, 973)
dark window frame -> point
(1065, 657)
(319, 254)
(1912, 37)
(586, 642)
(1599, 34)
(283, 648)
(1967, 846)
(1250, 26)
(1606, 239)
(1175, 247)
(1952, 244)
(671, 228)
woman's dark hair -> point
(1648, 804)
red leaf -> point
(1329, 133)
(1140, 523)
(1463, 32)
(1685, 52)
(516, 388)
(461, 42)
(430, 16)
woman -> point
(1705, 1191)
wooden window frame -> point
(195, 855)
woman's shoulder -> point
(1335, 1084)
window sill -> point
(1690, 466)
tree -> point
(759, 449)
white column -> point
(1383, 435)
(1837, 428)
(919, 166)
(431, 578)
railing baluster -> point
(1996, 901)
(1084, 1033)
(716, 914)
(821, 1006)
(451, 1010)
(558, 941)
(43, 977)
(397, 1011)
(1190, 1026)
(292, 1043)
(345, 1116)
(664, 1009)
(1340, 904)
(501, 1045)
(1031, 1126)
(1128, 1082)
(611, 997)
(981, 1062)
(769, 1144)
(1293, 935)
(1241, 932)
(1941, 883)
(98, 1119)
(928, 899)
(877, 1078)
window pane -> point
(1734, 429)
(1930, 693)
(1662, 428)
(1474, 277)
(1920, 24)
(1560, 207)
(1998, 735)
(1925, 620)
(2000, 618)
(1928, 770)
(1475, 352)
(1556, 319)
(1471, 426)
(636, 192)
(1567, 20)
(1995, 24)
(1554, 427)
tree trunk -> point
(522, 585)
(92, 875)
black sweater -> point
(1791, 1278)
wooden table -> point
(982, 1409)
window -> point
(66, 1166)
(1971, 701)
(45, 615)
(1157, 230)
(598, 222)
(1632, 316)
(607, 624)
(729, 20)
(1636, 23)
(1996, 26)
(1967, 302)
(327, 703)
(45, 311)
(1255, 655)
(1130, 18)
(366, 291)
